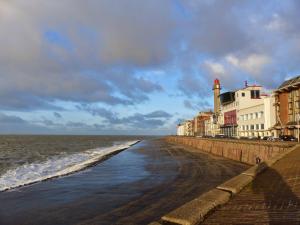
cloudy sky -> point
(132, 66)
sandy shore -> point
(136, 186)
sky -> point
(135, 67)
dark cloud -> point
(7, 119)
(201, 105)
(158, 114)
(10, 124)
(193, 85)
(150, 120)
(89, 58)
(213, 28)
(91, 52)
(57, 115)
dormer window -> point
(255, 94)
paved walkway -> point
(273, 197)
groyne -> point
(245, 151)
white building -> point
(247, 112)
(185, 128)
(257, 119)
(180, 129)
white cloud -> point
(253, 63)
(276, 23)
(215, 68)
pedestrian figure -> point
(258, 160)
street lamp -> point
(298, 118)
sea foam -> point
(56, 166)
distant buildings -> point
(249, 112)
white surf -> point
(56, 166)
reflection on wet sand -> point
(136, 186)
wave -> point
(57, 166)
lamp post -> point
(298, 117)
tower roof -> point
(217, 81)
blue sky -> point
(135, 67)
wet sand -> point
(136, 186)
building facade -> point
(247, 112)
(287, 108)
(228, 115)
(180, 129)
(189, 128)
(199, 123)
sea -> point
(101, 180)
(29, 159)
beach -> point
(135, 186)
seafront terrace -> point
(267, 193)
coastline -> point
(135, 186)
(74, 168)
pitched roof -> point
(290, 82)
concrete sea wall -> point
(244, 151)
(195, 211)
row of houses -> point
(249, 112)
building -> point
(270, 115)
(227, 118)
(180, 129)
(247, 112)
(210, 126)
(199, 123)
(189, 128)
(287, 108)
(258, 118)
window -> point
(251, 116)
(256, 115)
(257, 126)
(262, 126)
(243, 94)
(252, 127)
(259, 115)
(247, 127)
(255, 94)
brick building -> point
(287, 107)
(199, 123)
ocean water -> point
(29, 159)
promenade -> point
(272, 198)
